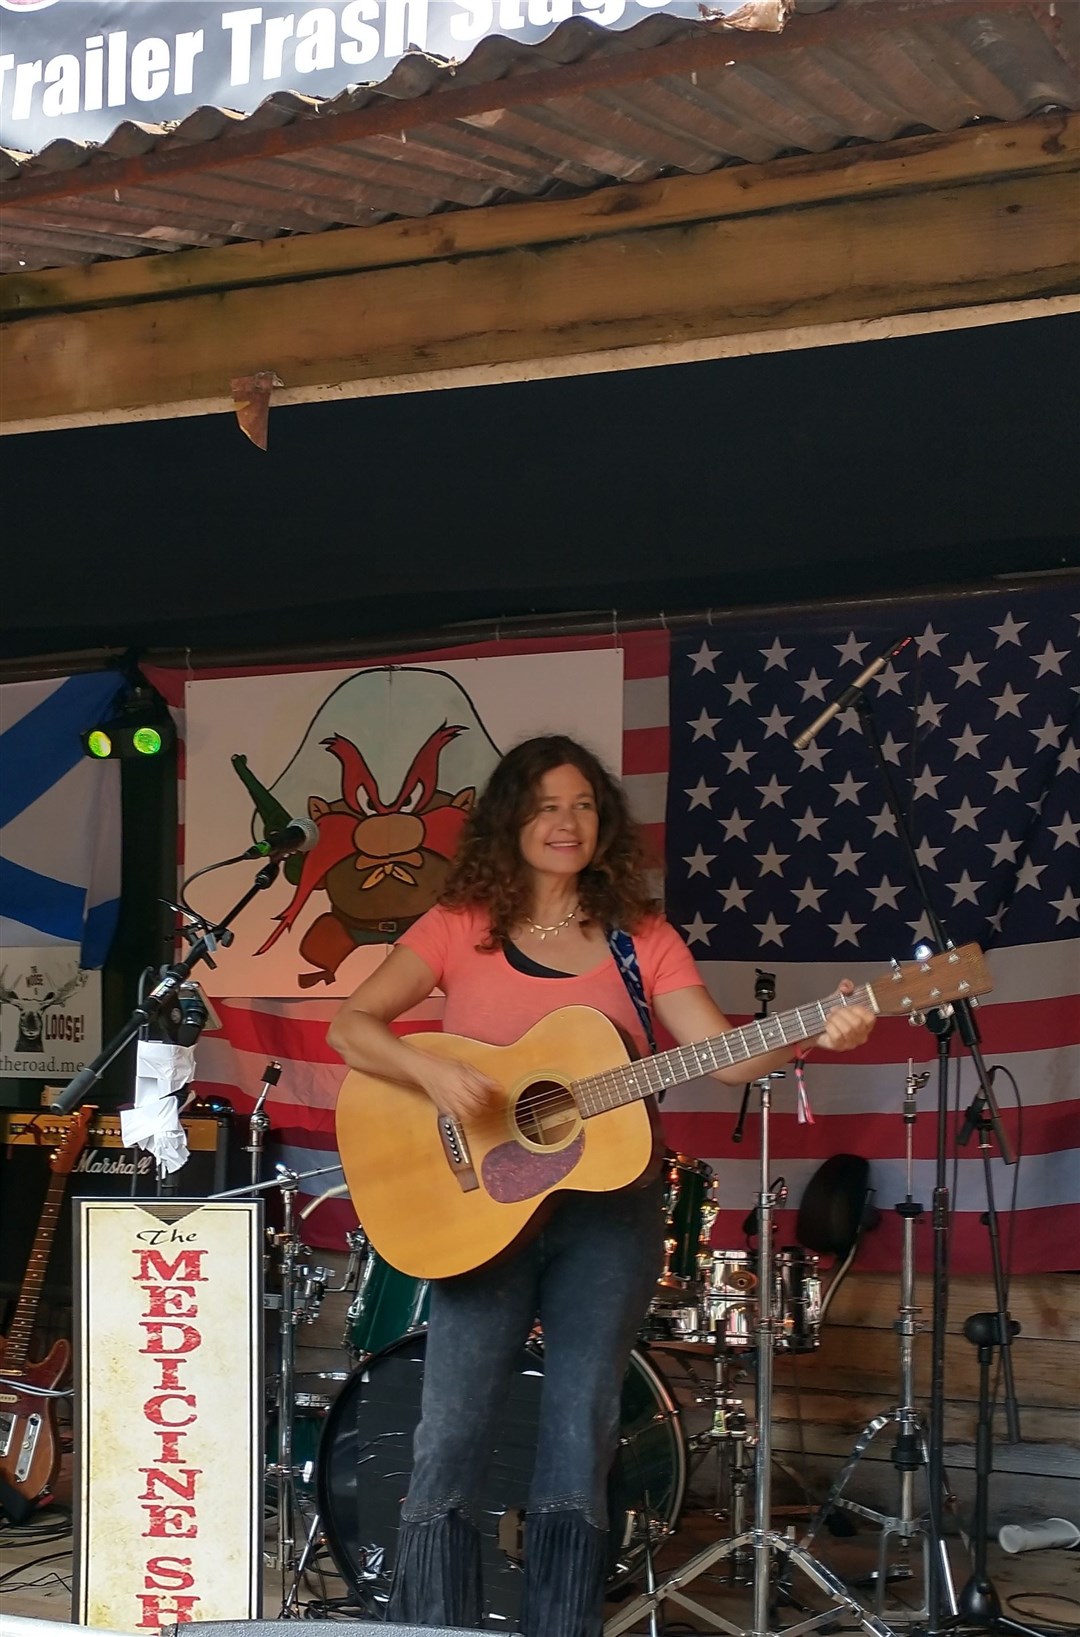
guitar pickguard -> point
(512, 1173)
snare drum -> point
(690, 1209)
(725, 1313)
(387, 1305)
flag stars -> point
(808, 896)
(1028, 875)
(735, 827)
(813, 687)
(776, 656)
(1068, 906)
(773, 793)
(699, 861)
(701, 795)
(927, 855)
(1004, 850)
(964, 816)
(775, 723)
(847, 860)
(698, 930)
(1048, 737)
(884, 822)
(851, 650)
(1049, 660)
(885, 894)
(735, 896)
(1008, 631)
(891, 748)
(921, 929)
(846, 930)
(930, 641)
(926, 784)
(968, 671)
(703, 659)
(1067, 831)
(739, 759)
(814, 755)
(928, 712)
(965, 891)
(1008, 702)
(1006, 777)
(848, 790)
(890, 681)
(772, 862)
(1069, 760)
(740, 690)
(809, 825)
(771, 931)
(703, 727)
(967, 743)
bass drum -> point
(365, 1460)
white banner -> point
(387, 761)
(169, 1415)
(50, 1013)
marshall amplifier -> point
(105, 1166)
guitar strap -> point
(622, 947)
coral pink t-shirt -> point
(488, 999)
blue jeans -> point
(588, 1276)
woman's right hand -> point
(457, 1088)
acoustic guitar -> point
(439, 1196)
(29, 1439)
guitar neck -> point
(17, 1344)
(632, 1081)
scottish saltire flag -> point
(789, 861)
(59, 817)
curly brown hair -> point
(489, 871)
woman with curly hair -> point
(549, 887)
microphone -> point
(298, 836)
(851, 692)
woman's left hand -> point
(847, 1026)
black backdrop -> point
(860, 469)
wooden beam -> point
(1004, 240)
(1047, 144)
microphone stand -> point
(164, 994)
(943, 1022)
(764, 994)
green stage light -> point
(140, 729)
(146, 741)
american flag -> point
(788, 861)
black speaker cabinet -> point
(105, 1167)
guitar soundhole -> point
(546, 1115)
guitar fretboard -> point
(17, 1345)
(632, 1081)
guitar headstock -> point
(63, 1158)
(919, 986)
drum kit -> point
(727, 1307)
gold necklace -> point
(543, 932)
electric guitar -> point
(29, 1439)
(439, 1196)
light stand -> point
(762, 1540)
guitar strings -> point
(549, 1102)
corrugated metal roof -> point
(583, 109)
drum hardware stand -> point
(764, 994)
(259, 1123)
(302, 1291)
(909, 1453)
(761, 1539)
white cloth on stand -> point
(161, 1071)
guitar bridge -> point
(7, 1427)
(456, 1149)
